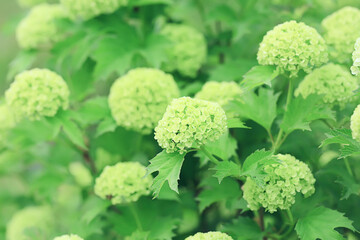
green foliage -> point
(320, 222)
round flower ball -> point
(188, 50)
(30, 3)
(87, 9)
(39, 27)
(355, 124)
(139, 99)
(355, 70)
(123, 182)
(37, 93)
(69, 237)
(332, 81)
(282, 182)
(341, 29)
(220, 92)
(30, 222)
(292, 47)
(189, 123)
(210, 236)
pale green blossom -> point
(292, 47)
(355, 124)
(188, 50)
(333, 82)
(139, 99)
(37, 93)
(210, 236)
(123, 183)
(282, 182)
(39, 27)
(189, 123)
(341, 29)
(69, 237)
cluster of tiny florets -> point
(81, 174)
(139, 99)
(220, 92)
(37, 93)
(29, 223)
(188, 50)
(30, 3)
(69, 237)
(189, 123)
(210, 236)
(123, 183)
(39, 27)
(355, 68)
(282, 182)
(355, 124)
(341, 29)
(332, 81)
(86, 9)
(292, 47)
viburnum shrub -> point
(181, 119)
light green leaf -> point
(231, 70)
(226, 169)
(107, 125)
(155, 50)
(137, 3)
(301, 112)
(235, 123)
(214, 191)
(320, 223)
(168, 165)
(93, 110)
(257, 76)
(22, 61)
(254, 164)
(259, 108)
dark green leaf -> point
(243, 228)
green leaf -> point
(137, 3)
(231, 70)
(259, 108)
(235, 123)
(168, 165)
(107, 125)
(301, 112)
(22, 61)
(320, 223)
(254, 164)
(243, 228)
(226, 169)
(93, 110)
(349, 146)
(257, 76)
(214, 191)
(71, 129)
(155, 50)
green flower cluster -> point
(355, 124)
(292, 47)
(86, 9)
(30, 223)
(332, 81)
(282, 182)
(81, 174)
(188, 50)
(220, 92)
(210, 236)
(355, 70)
(37, 93)
(39, 27)
(189, 123)
(30, 3)
(139, 99)
(123, 183)
(69, 237)
(341, 31)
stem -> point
(289, 213)
(280, 139)
(209, 155)
(136, 216)
(261, 221)
(348, 167)
(271, 137)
